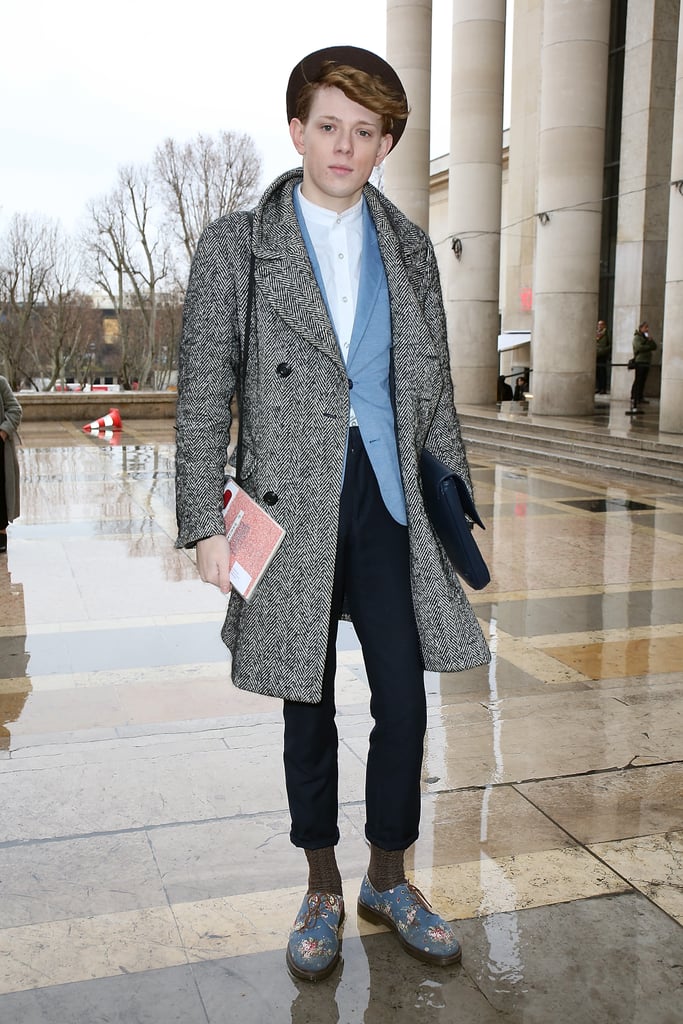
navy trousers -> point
(372, 580)
(639, 381)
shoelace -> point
(316, 903)
(419, 897)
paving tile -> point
(624, 658)
(151, 997)
(77, 949)
(608, 806)
(535, 879)
(80, 651)
(221, 858)
(586, 612)
(653, 865)
(522, 739)
(523, 553)
(155, 786)
(375, 983)
(84, 877)
(131, 786)
(490, 823)
(607, 961)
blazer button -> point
(270, 498)
(283, 369)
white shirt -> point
(338, 242)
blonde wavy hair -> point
(370, 91)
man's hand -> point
(213, 562)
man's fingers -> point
(213, 562)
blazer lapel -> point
(371, 275)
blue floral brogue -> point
(421, 932)
(314, 944)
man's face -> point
(341, 143)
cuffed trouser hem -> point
(391, 845)
(312, 844)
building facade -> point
(576, 215)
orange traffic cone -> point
(111, 421)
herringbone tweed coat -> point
(295, 421)
(10, 418)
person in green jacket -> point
(643, 347)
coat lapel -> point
(405, 258)
(285, 279)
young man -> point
(346, 379)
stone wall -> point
(89, 406)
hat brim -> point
(308, 70)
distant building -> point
(577, 215)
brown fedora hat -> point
(308, 70)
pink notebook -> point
(254, 538)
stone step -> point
(637, 457)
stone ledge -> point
(91, 405)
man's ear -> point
(296, 131)
(384, 147)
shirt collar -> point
(327, 218)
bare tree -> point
(129, 259)
(204, 179)
(65, 324)
(46, 322)
(24, 265)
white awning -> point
(513, 339)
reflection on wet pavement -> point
(145, 863)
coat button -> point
(283, 369)
(270, 498)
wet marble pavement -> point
(145, 869)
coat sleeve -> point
(11, 410)
(444, 439)
(208, 366)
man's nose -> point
(344, 141)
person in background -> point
(347, 379)
(520, 389)
(10, 418)
(505, 392)
(603, 351)
(643, 347)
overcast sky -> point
(87, 87)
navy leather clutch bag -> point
(452, 514)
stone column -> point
(409, 51)
(644, 165)
(671, 409)
(569, 209)
(519, 238)
(474, 197)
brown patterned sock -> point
(323, 873)
(386, 868)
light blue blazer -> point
(368, 364)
